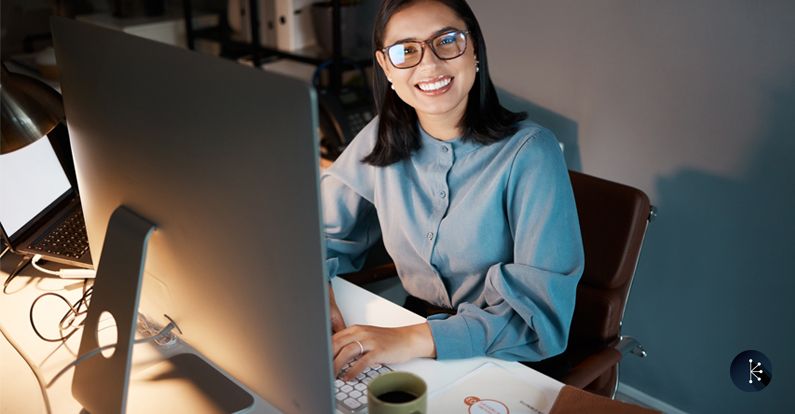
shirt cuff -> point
(451, 337)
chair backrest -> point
(613, 220)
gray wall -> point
(694, 103)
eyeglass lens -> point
(446, 46)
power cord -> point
(149, 327)
(65, 273)
(11, 276)
(69, 320)
(163, 332)
(162, 337)
(43, 385)
(33, 367)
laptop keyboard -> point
(352, 395)
(68, 239)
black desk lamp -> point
(30, 110)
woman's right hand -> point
(374, 345)
(337, 323)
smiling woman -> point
(410, 25)
(473, 203)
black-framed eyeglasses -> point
(445, 46)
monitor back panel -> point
(223, 159)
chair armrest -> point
(597, 364)
(629, 344)
(373, 274)
(592, 367)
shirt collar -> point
(431, 145)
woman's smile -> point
(437, 86)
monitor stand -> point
(102, 384)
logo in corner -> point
(751, 371)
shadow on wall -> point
(564, 128)
(716, 278)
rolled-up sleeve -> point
(527, 304)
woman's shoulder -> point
(533, 148)
(532, 137)
(527, 129)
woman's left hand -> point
(381, 346)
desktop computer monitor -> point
(223, 160)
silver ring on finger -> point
(361, 348)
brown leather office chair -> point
(613, 220)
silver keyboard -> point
(352, 395)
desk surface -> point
(19, 392)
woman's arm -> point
(350, 222)
(350, 225)
(351, 228)
(529, 302)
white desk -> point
(19, 392)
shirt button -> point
(442, 194)
(430, 236)
(445, 149)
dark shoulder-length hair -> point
(485, 120)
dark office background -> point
(691, 101)
(22, 18)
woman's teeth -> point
(434, 86)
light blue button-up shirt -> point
(490, 230)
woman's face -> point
(419, 22)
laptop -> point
(40, 211)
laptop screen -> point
(31, 179)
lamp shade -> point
(30, 110)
